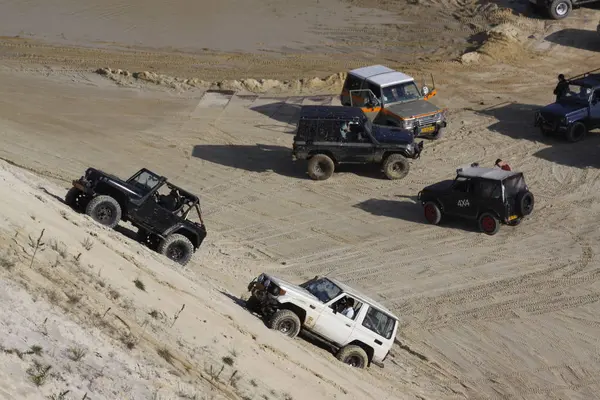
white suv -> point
(363, 338)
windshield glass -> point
(144, 182)
(577, 93)
(323, 289)
(406, 91)
(513, 185)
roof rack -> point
(585, 74)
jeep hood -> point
(439, 187)
(562, 109)
(97, 173)
(291, 287)
(386, 134)
(412, 108)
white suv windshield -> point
(323, 289)
(406, 91)
(379, 322)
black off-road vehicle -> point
(327, 136)
(490, 196)
(574, 114)
(161, 218)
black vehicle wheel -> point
(74, 199)
(104, 210)
(286, 322)
(396, 166)
(576, 132)
(515, 222)
(177, 248)
(320, 167)
(440, 133)
(489, 224)
(354, 356)
(525, 202)
(433, 214)
(252, 304)
(559, 9)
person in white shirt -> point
(348, 310)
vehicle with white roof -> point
(359, 329)
(490, 196)
(392, 98)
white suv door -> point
(333, 326)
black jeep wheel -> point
(253, 304)
(354, 356)
(525, 202)
(489, 224)
(396, 166)
(177, 248)
(286, 322)
(559, 9)
(576, 132)
(320, 167)
(432, 212)
(104, 210)
(74, 199)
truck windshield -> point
(323, 289)
(577, 94)
(401, 92)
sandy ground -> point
(511, 317)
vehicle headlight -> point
(410, 147)
(408, 123)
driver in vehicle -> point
(347, 305)
(170, 201)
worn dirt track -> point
(513, 316)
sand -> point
(512, 316)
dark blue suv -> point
(576, 113)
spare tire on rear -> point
(525, 202)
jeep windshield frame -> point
(397, 93)
(145, 181)
(322, 288)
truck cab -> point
(392, 98)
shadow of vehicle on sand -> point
(279, 111)
(253, 158)
(583, 154)
(582, 39)
(515, 120)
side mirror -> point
(425, 90)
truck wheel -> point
(525, 202)
(559, 9)
(396, 166)
(177, 248)
(320, 167)
(353, 355)
(439, 134)
(489, 224)
(72, 199)
(576, 132)
(433, 214)
(286, 322)
(105, 210)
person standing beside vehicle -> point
(502, 165)
(562, 87)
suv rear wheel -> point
(396, 166)
(489, 224)
(353, 355)
(177, 248)
(104, 210)
(320, 167)
(286, 322)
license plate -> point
(512, 217)
(428, 129)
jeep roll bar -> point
(582, 75)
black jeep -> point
(575, 113)
(161, 219)
(488, 195)
(327, 136)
